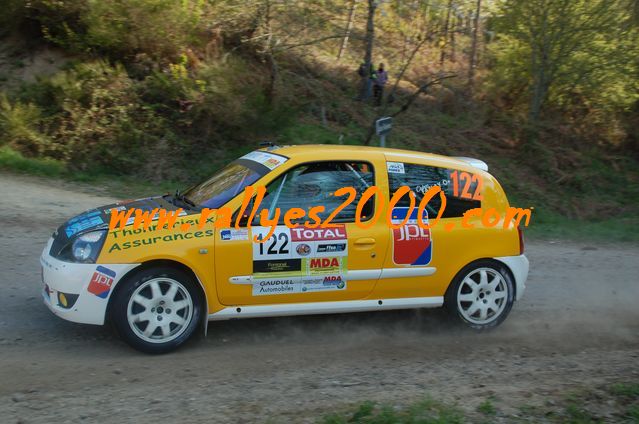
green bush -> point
(159, 28)
(60, 21)
(103, 123)
(19, 127)
(89, 116)
(215, 100)
(120, 29)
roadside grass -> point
(576, 414)
(487, 407)
(626, 390)
(426, 411)
(627, 394)
(557, 227)
(617, 403)
(113, 185)
(14, 161)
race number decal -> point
(412, 244)
(299, 260)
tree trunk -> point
(368, 55)
(539, 91)
(349, 28)
(473, 49)
(442, 55)
(453, 42)
(268, 53)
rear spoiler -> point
(473, 162)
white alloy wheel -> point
(160, 310)
(482, 295)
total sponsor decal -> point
(101, 282)
(412, 245)
(299, 260)
(314, 234)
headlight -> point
(86, 247)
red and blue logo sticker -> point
(412, 245)
(101, 282)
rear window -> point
(462, 189)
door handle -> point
(366, 241)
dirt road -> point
(577, 326)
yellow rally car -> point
(158, 285)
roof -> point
(392, 154)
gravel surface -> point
(577, 326)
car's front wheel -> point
(481, 295)
(157, 309)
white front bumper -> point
(74, 279)
(518, 265)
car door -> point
(421, 262)
(306, 263)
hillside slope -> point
(168, 92)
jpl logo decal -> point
(411, 243)
(101, 282)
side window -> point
(420, 178)
(314, 184)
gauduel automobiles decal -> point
(412, 245)
(299, 260)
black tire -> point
(179, 324)
(457, 302)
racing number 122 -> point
(273, 248)
(467, 179)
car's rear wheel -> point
(157, 309)
(481, 295)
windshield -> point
(232, 179)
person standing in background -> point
(380, 82)
(368, 81)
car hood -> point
(100, 217)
